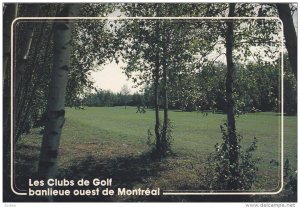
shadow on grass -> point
(26, 159)
(129, 172)
(126, 172)
(25, 164)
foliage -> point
(157, 51)
(32, 94)
(218, 175)
(93, 46)
(168, 140)
(165, 143)
(256, 87)
(290, 89)
(290, 178)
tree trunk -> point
(57, 92)
(21, 86)
(156, 103)
(11, 13)
(289, 34)
(233, 142)
(24, 107)
(156, 83)
(165, 93)
(29, 32)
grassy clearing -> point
(111, 142)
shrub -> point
(290, 178)
(217, 174)
(165, 143)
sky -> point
(112, 78)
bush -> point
(290, 178)
(165, 143)
(217, 174)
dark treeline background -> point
(107, 98)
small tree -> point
(125, 91)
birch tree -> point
(56, 101)
(125, 92)
(156, 51)
(141, 43)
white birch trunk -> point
(57, 92)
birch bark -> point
(57, 92)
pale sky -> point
(112, 78)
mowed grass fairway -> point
(112, 142)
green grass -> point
(111, 135)
(193, 133)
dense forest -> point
(229, 66)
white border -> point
(166, 192)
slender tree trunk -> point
(289, 34)
(24, 107)
(25, 79)
(57, 92)
(156, 83)
(165, 92)
(11, 13)
(29, 33)
(156, 104)
(233, 142)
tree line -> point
(256, 90)
(107, 98)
